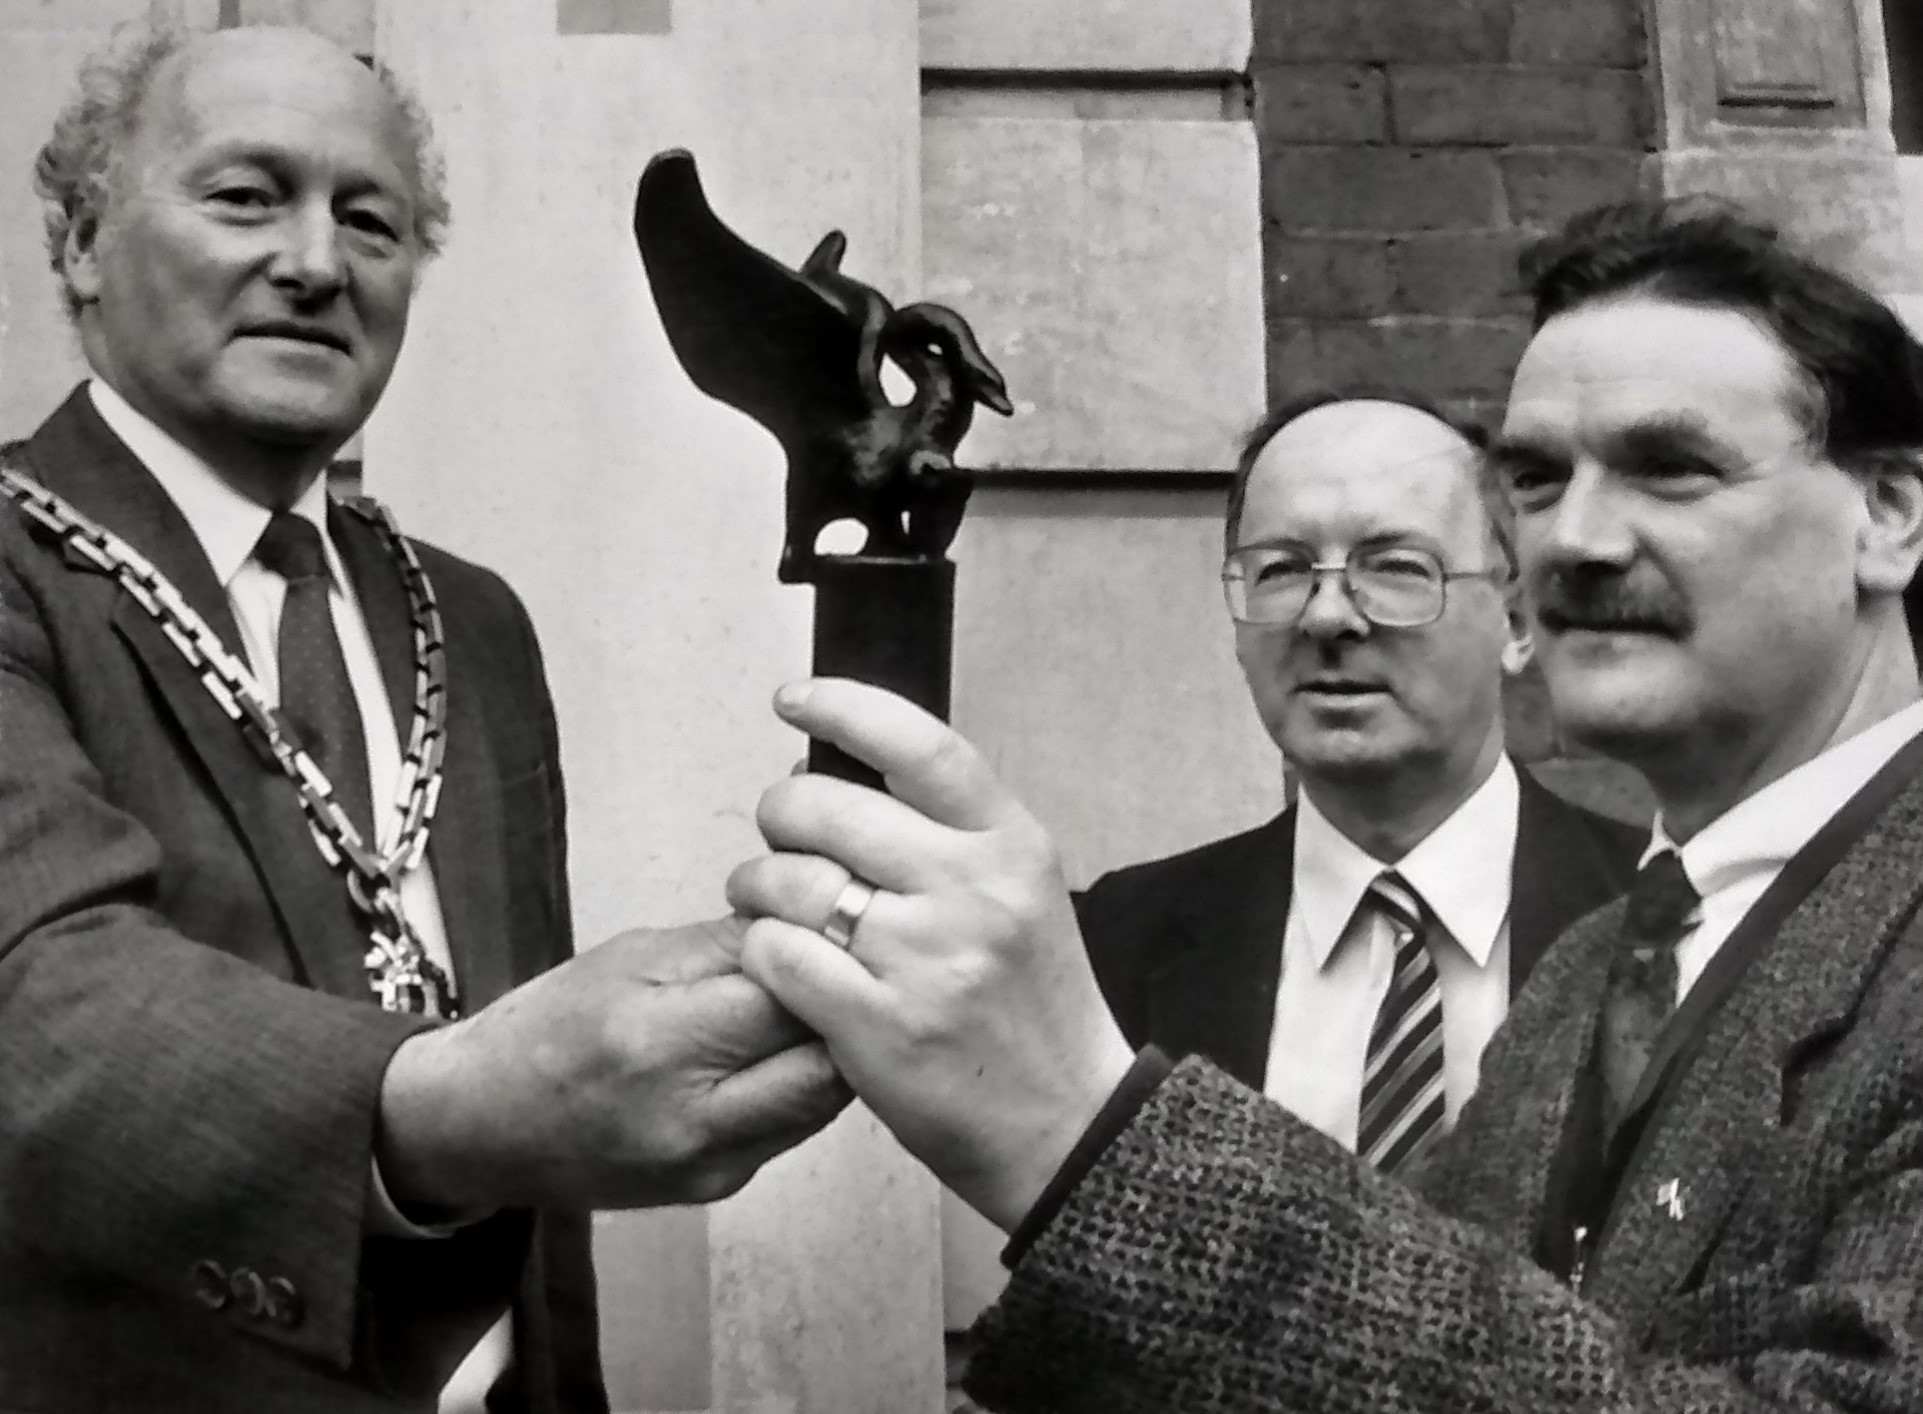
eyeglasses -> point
(1391, 587)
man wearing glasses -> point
(1352, 956)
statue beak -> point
(995, 397)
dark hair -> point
(1495, 499)
(1862, 368)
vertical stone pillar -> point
(540, 424)
(1090, 201)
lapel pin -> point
(1670, 1198)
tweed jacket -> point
(192, 1058)
(1764, 1252)
(1188, 949)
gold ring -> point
(845, 916)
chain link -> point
(400, 972)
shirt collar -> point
(227, 524)
(1764, 831)
(1461, 869)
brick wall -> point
(1409, 148)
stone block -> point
(95, 18)
(1610, 33)
(1846, 210)
(1505, 104)
(347, 22)
(1909, 185)
(1458, 273)
(1096, 662)
(1446, 358)
(1483, 412)
(1130, 338)
(1546, 186)
(1321, 103)
(1348, 276)
(1302, 31)
(1117, 36)
(1335, 189)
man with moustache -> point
(1692, 1176)
(280, 799)
(1352, 957)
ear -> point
(1889, 544)
(79, 267)
(1520, 645)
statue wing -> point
(748, 330)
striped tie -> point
(1402, 1100)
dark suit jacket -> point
(1188, 949)
(1765, 1252)
(191, 1057)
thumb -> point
(817, 981)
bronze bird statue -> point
(802, 352)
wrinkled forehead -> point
(273, 92)
(1599, 371)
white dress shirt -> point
(1738, 855)
(1337, 962)
(228, 526)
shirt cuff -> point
(1151, 1068)
(385, 1219)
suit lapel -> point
(1503, 1159)
(76, 455)
(1215, 993)
(1728, 1102)
(465, 845)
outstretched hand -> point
(647, 1070)
(963, 1010)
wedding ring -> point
(845, 916)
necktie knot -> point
(1661, 901)
(291, 548)
(1393, 897)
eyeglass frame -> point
(1317, 569)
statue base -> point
(890, 622)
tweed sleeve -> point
(1223, 1256)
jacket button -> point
(210, 1284)
(249, 1292)
(284, 1306)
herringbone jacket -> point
(1764, 1253)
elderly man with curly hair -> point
(307, 1097)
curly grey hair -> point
(73, 173)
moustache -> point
(1608, 602)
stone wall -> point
(1408, 150)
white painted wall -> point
(540, 424)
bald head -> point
(1365, 434)
(1373, 618)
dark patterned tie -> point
(316, 696)
(1402, 1093)
(1641, 992)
